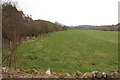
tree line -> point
(17, 25)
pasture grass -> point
(71, 51)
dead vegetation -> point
(33, 73)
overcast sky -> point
(72, 12)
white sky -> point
(72, 12)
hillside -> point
(93, 27)
(71, 51)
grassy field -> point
(71, 51)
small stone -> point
(98, 75)
(62, 75)
(67, 74)
(48, 72)
(115, 74)
(87, 75)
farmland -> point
(70, 51)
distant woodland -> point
(101, 28)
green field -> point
(71, 51)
